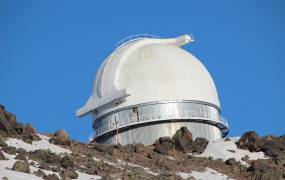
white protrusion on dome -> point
(148, 70)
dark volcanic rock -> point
(251, 141)
(29, 134)
(51, 177)
(2, 157)
(21, 166)
(104, 148)
(67, 162)
(69, 174)
(182, 140)
(245, 158)
(44, 156)
(269, 175)
(60, 137)
(44, 166)
(21, 156)
(138, 148)
(199, 145)
(2, 142)
(39, 173)
(8, 123)
(259, 165)
(10, 150)
(231, 161)
(163, 147)
(30, 130)
(165, 139)
(21, 150)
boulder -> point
(165, 139)
(163, 147)
(2, 157)
(60, 137)
(275, 147)
(69, 174)
(2, 142)
(28, 129)
(251, 141)
(245, 158)
(104, 148)
(44, 156)
(21, 156)
(259, 165)
(21, 167)
(44, 166)
(21, 150)
(182, 140)
(138, 148)
(231, 161)
(10, 150)
(199, 145)
(8, 123)
(51, 177)
(39, 173)
(67, 162)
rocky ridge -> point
(55, 156)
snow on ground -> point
(83, 176)
(146, 169)
(209, 174)
(121, 163)
(10, 174)
(42, 144)
(17, 175)
(220, 149)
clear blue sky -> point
(50, 51)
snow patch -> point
(209, 174)
(83, 176)
(227, 149)
(146, 169)
(43, 144)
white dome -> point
(150, 70)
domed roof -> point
(150, 70)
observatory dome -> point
(149, 84)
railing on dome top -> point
(132, 38)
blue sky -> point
(50, 51)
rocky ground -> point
(25, 154)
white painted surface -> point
(150, 70)
(219, 149)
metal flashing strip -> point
(159, 102)
(191, 111)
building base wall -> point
(148, 133)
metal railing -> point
(132, 38)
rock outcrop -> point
(251, 141)
(162, 160)
(182, 140)
(60, 137)
(21, 167)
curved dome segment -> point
(105, 90)
(160, 72)
(153, 85)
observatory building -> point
(150, 87)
